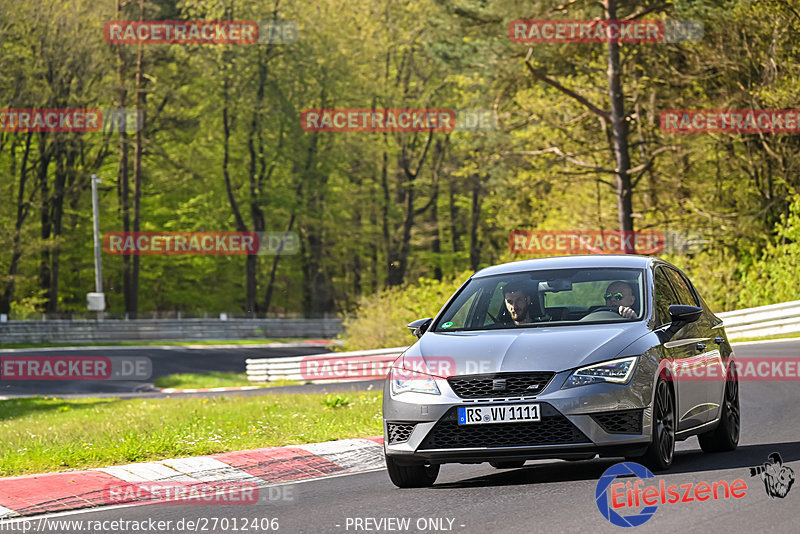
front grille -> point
(620, 422)
(553, 429)
(399, 432)
(483, 386)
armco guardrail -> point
(63, 331)
(331, 367)
(783, 318)
(769, 320)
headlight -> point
(407, 380)
(614, 371)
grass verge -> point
(43, 434)
(213, 380)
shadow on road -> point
(694, 461)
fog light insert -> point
(399, 432)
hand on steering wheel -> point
(624, 311)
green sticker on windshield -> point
(448, 324)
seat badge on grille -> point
(499, 384)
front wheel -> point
(726, 436)
(411, 476)
(658, 456)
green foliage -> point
(202, 380)
(775, 276)
(330, 402)
(366, 204)
(380, 320)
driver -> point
(619, 296)
(518, 302)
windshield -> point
(546, 298)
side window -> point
(685, 295)
(665, 297)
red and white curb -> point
(57, 492)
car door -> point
(696, 347)
(707, 352)
(681, 351)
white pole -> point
(98, 268)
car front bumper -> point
(606, 419)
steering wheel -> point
(614, 309)
(601, 312)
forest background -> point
(398, 219)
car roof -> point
(622, 261)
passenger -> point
(619, 295)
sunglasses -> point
(616, 296)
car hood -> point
(556, 348)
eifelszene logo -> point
(630, 494)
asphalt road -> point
(543, 496)
(166, 360)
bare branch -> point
(565, 6)
(644, 167)
(558, 152)
(569, 92)
(644, 12)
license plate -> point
(506, 413)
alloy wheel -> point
(664, 419)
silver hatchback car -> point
(567, 358)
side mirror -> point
(680, 313)
(420, 326)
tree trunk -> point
(123, 184)
(454, 234)
(475, 218)
(387, 235)
(57, 206)
(44, 214)
(141, 104)
(250, 303)
(436, 245)
(22, 211)
(619, 128)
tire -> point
(507, 464)
(411, 476)
(726, 436)
(660, 452)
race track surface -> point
(543, 496)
